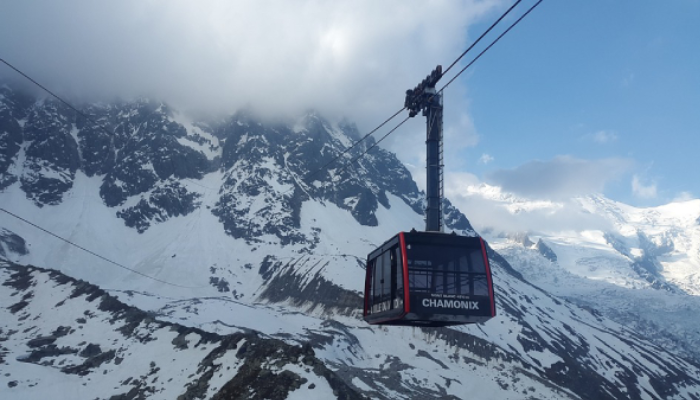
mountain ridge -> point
(638, 266)
(249, 246)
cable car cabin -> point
(429, 279)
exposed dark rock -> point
(220, 284)
(454, 219)
(546, 251)
(261, 374)
(52, 157)
(285, 284)
(47, 351)
(425, 354)
(13, 243)
(20, 280)
(90, 363)
(62, 331)
(138, 150)
(91, 350)
(11, 135)
(256, 378)
(41, 341)
(95, 140)
(164, 202)
(365, 207)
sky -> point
(596, 96)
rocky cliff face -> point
(142, 152)
(246, 256)
(107, 350)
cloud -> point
(490, 208)
(349, 58)
(682, 197)
(560, 178)
(485, 158)
(457, 182)
(563, 216)
(643, 190)
(601, 137)
(346, 59)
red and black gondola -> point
(428, 279)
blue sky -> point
(581, 97)
(608, 87)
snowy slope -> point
(67, 339)
(219, 228)
(637, 265)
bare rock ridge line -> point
(261, 360)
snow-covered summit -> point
(640, 266)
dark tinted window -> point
(386, 280)
(447, 270)
(386, 276)
(377, 272)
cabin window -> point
(385, 275)
(377, 273)
(446, 270)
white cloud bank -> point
(562, 177)
(344, 58)
(491, 208)
(354, 58)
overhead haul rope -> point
(493, 25)
(463, 69)
(370, 133)
(82, 114)
(96, 254)
(347, 165)
(482, 36)
(491, 45)
(317, 170)
(311, 175)
(112, 134)
(101, 127)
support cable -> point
(372, 146)
(460, 72)
(308, 176)
(490, 45)
(311, 175)
(482, 36)
(493, 25)
(95, 254)
(57, 97)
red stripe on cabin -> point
(488, 277)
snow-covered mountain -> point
(639, 266)
(219, 260)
